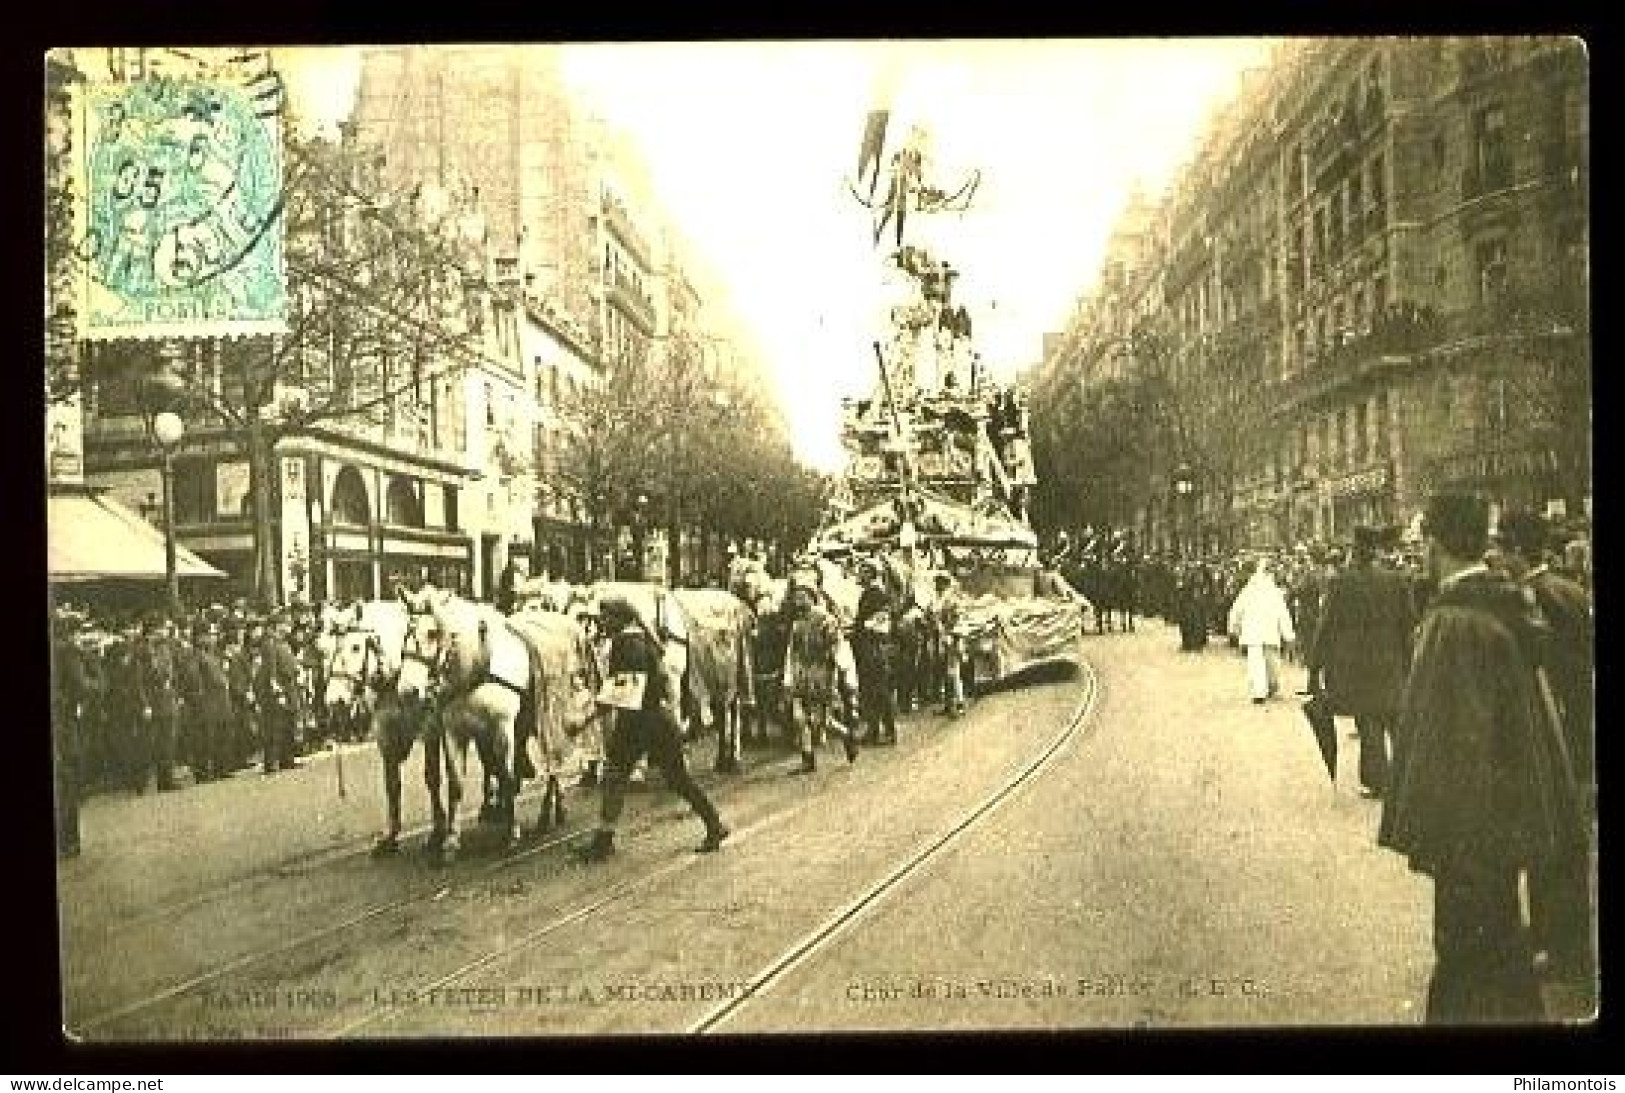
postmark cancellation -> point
(179, 230)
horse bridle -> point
(435, 664)
(372, 654)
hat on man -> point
(1525, 533)
(1460, 522)
(616, 609)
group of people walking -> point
(902, 656)
(1468, 670)
(1467, 663)
(816, 680)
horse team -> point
(520, 688)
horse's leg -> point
(456, 746)
(434, 745)
(503, 745)
(722, 709)
(560, 814)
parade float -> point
(939, 466)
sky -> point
(750, 146)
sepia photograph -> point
(559, 540)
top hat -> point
(1526, 533)
(1458, 521)
(616, 607)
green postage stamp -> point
(180, 227)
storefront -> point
(376, 523)
(1363, 498)
(1525, 477)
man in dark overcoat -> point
(125, 730)
(212, 710)
(189, 743)
(276, 693)
(874, 648)
(1561, 896)
(1478, 794)
(99, 769)
(1190, 607)
(70, 694)
(770, 640)
(154, 667)
(240, 661)
(1360, 651)
(312, 669)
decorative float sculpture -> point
(940, 470)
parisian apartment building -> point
(1392, 236)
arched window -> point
(401, 504)
(351, 504)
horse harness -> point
(436, 664)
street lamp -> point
(1184, 488)
(167, 430)
(640, 540)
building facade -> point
(562, 370)
(567, 197)
(1386, 239)
(400, 442)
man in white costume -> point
(1262, 623)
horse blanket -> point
(566, 675)
(719, 648)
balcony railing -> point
(1495, 462)
(636, 304)
(1402, 330)
(1492, 177)
(619, 222)
(1561, 163)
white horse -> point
(364, 645)
(478, 669)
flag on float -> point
(871, 153)
(874, 142)
(874, 159)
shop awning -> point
(94, 538)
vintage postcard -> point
(755, 537)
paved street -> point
(1183, 860)
(1187, 864)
